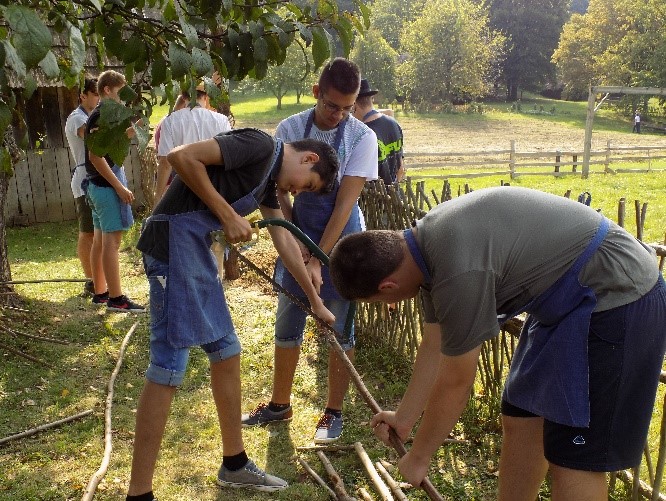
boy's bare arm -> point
(348, 192)
(163, 173)
(104, 170)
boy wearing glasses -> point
(324, 218)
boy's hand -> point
(381, 422)
(125, 195)
(313, 267)
(237, 229)
(413, 468)
(322, 312)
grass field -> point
(57, 464)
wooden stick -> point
(32, 336)
(395, 487)
(25, 355)
(338, 484)
(108, 432)
(364, 495)
(327, 448)
(381, 487)
(46, 426)
(317, 478)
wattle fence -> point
(395, 207)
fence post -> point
(607, 162)
(621, 207)
(512, 159)
(575, 165)
(557, 161)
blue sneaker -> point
(329, 429)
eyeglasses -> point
(334, 108)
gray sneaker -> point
(329, 429)
(250, 476)
(263, 415)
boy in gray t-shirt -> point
(579, 395)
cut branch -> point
(381, 487)
(33, 431)
(317, 478)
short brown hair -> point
(360, 261)
(110, 78)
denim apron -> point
(311, 214)
(197, 306)
(549, 373)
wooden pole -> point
(587, 145)
(336, 479)
(395, 487)
(46, 426)
(317, 478)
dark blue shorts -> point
(625, 351)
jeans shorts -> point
(290, 322)
(167, 363)
(84, 215)
(626, 352)
(105, 205)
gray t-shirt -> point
(494, 250)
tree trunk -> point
(511, 91)
(5, 271)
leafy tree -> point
(389, 17)
(377, 61)
(451, 51)
(617, 42)
(533, 27)
(163, 44)
(291, 75)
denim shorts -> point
(167, 363)
(625, 352)
(290, 322)
(105, 205)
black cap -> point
(365, 89)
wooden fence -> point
(40, 189)
(514, 163)
(400, 325)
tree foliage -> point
(378, 62)
(451, 50)
(163, 44)
(389, 17)
(295, 74)
(617, 42)
(533, 28)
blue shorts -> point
(167, 363)
(625, 352)
(105, 205)
(290, 322)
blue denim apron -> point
(311, 214)
(197, 306)
(549, 373)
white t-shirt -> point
(358, 149)
(75, 121)
(190, 125)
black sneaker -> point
(124, 304)
(88, 289)
(100, 298)
(263, 415)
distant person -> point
(579, 395)
(637, 123)
(220, 181)
(389, 135)
(182, 100)
(110, 200)
(75, 130)
(184, 126)
(323, 218)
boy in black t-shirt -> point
(110, 201)
(220, 181)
